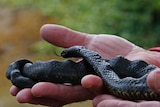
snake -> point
(122, 78)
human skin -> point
(108, 46)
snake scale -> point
(123, 78)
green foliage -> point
(139, 21)
(43, 47)
(136, 20)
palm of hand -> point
(110, 46)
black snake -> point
(122, 78)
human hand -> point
(107, 45)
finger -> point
(125, 103)
(14, 90)
(153, 80)
(92, 82)
(62, 92)
(62, 36)
(149, 104)
(25, 96)
(47, 102)
(111, 101)
(101, 98)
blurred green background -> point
(20, 21)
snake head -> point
(73, 51)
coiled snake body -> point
(122, 78)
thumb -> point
(153, 80)
(93, 83)
(63, 36)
